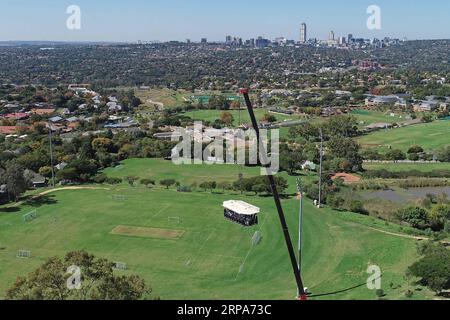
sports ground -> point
(184, 248)
(430, 136)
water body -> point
(406, 195)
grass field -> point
(430, 136)
(212, 115)
(169, 98)
(424, 167)
(369, 117)
(214, 258)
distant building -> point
(262, 43)
(331, 36)
(204, 40)
(303, 33)
(350, 38)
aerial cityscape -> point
(221, 166)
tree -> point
(439, 215)
(343, 126)
(259, 188)
(434, 269)
(147, 182)
(290, 160)
(395, 155)
(45, 171)
(269, 118)
(415, 149)
(16, 183)
(415, 216)
(131, 180)
(427, 118)
(227, 118)
(102, 144)
(413, 157)
(167, 183)
(224, 186)
(98, 281)
(346, 149)
(204, 186)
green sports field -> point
(430, 136)
(211, 258)
(212, 115)
(424, 167)
(369, 117)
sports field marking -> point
(160, 211)
(192, 261)
(143, 232)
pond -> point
(406, 195)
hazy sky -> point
(132, 20)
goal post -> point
(30, 216)
(23, 254)
(119, 197)
(256, 239)
(174, 219)
(120, 265)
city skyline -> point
(180, 20)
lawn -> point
(431, 136)
(212, 115)
(369, 117)
(424, 167)
(169, 98)
(214, 258)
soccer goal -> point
(30, 216)
(174, 220)
(119, 197)
(23, 254)
(256, 239)
(120, 265)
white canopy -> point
(241, 207)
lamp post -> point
(300, 226)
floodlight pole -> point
(276, 196)
(300, 226)
(321, 168)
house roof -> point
(42, 111)
(8, 129)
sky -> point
(149, 20)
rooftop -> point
(241, 207)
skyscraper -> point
(303, 33)
(350, 38)
(331, 36)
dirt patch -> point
(143, 232)
(348, 178)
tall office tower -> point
(303, 33)
(350, 38)
(228, 40)
(331, 36)
(204, 40)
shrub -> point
(100, 178)
(184, 189)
